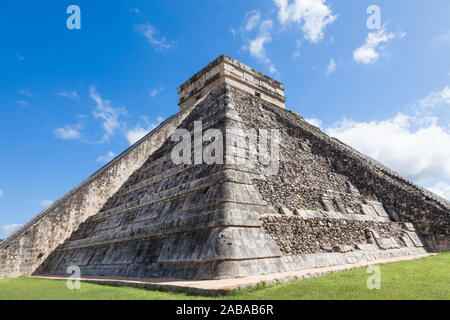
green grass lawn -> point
(427, 278)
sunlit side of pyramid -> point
(142, 215)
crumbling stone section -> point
(306, 179)
(296, 235)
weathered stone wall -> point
(28, 247)
(227, 70)
(297, 235)
(321, 173)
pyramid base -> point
(221, 287)
(217, 270)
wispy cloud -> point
(46, 203)
(159, 43)
(108, 114)
(68, 132)
(135, 11)
(22, 103)
(68, 94)
(331, 67)
(155, 91)
(2, 195)
(106, 158)
(436, 98)
(138, 132)
(26, 92)
(312, 16)
(257, 34)
(253, 19)
(296, 54)
(442, 37)
(369, 52)
(257, 48)
(8, 229)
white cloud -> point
(297, 51)
(155, 91)
(441, 189)
(151, 33)
(436, 98)
(444, 36)
(256, 34)
(106, 158)
(314, 122)
(68, 94)
(8, 229)
(312, 16)
(46, 203)
(107, 113)
(256, 46)
(23, 103)
(2, 195)
(415, 147)
(253, 19)
(331, 67)
(368, 52)
(138, 132)
(68, 133)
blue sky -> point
(70, 100)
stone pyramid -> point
(284, 196)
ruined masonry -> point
(143, 216)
